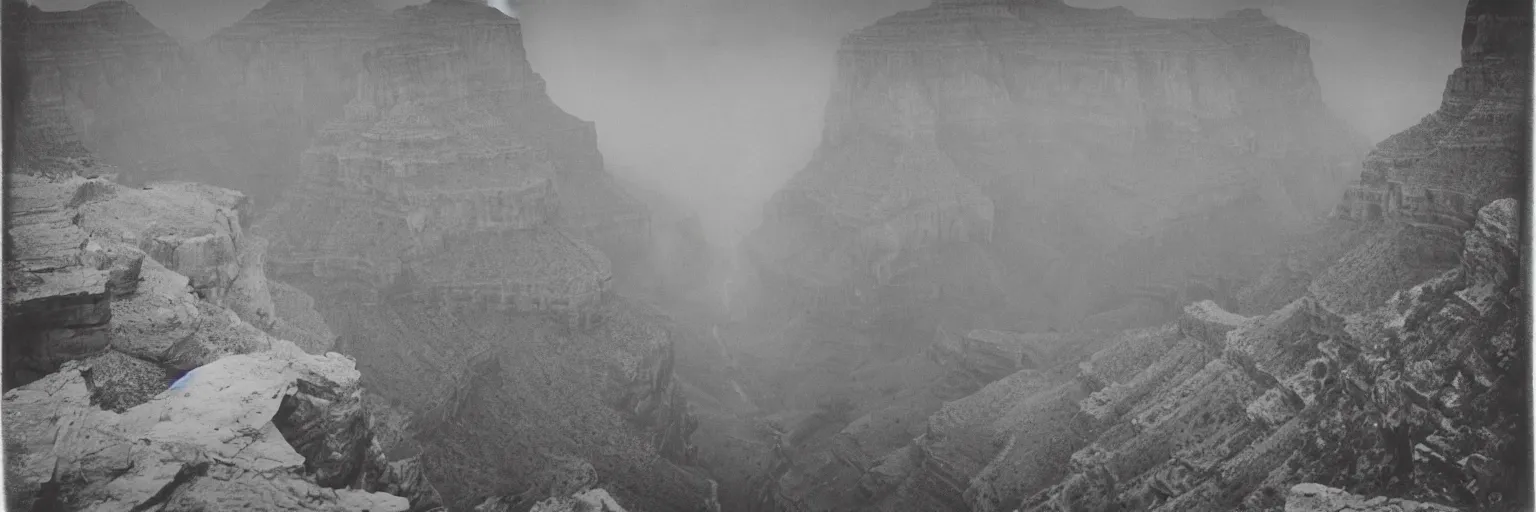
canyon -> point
(420, 205)
(336, 257)
(1240, 365)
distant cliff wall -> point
(1085, 150)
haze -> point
(717, 102)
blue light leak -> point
(181, 383)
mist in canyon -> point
(715, 103)
(767, 256)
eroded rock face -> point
(1020, 128)
(1170, 420)
(1318, 498)
(92, 73)
(442, 177)
(274, 78)
(235, 110)
(115, 292)
(1362, 381)
(1423, 187)
(150, 330)
(496, 399)
(451, 225)
(212, 443)
(57, 306)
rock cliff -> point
(1034, 130)
(112, 294)
(92, 73)
(241, 108)
(1421, 188)
(1405, 388)
(216, 442)
(453, 224)
(1224, 412)
(455, 227)
(153, 273)
(270, 82)
(452, 175)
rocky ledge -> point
(253, 421)
(1318, 498)
(140, 368)
(220, 439)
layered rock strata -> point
(272, 81)
(1372, 362)
(1020, 128)
(80, 409)
(450, 224)
(973, 152)
(495, 398)
(427, 185)
(113, 293)
(235, 110)
(1421, 188)
(240, 108)
(1223, 412)
(158, 260)
(216, 442)
(97, 73)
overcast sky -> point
(712, 95)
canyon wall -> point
(92, 73)
(241, 108)
(235, 110)
(440, 177)
(1025, 168)
(456, 227)
(1403, 384)
(1040, 133)
(265, 86)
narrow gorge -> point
(343, 255)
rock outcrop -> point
(215, 442)
(115, 293)
(154, 273)
(147, 324)
(1318, 498)
(75, 420)
(1422, 188)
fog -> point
(1382, 63)
(717, 102)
